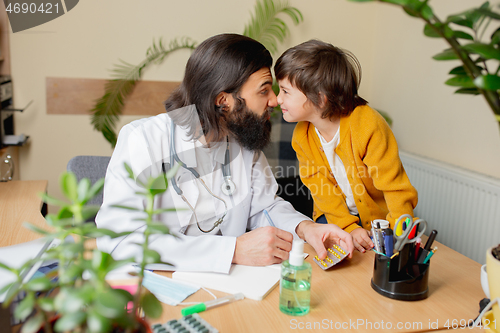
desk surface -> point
(19, 203)
(342, 298)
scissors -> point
(407, 236)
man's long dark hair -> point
(222, 63)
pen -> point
(269, 218)
(417, 247)
(380, 238)
(210, 304)
(432, 236)
(430, 255)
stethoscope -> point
(228, 187)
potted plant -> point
(464, 33)
(83, 301)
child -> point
(348, 156)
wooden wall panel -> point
(78, 96)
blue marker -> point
(269, 218)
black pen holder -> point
(401, 277)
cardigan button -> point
(331, 173)
(321, 148)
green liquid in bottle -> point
(295, 289)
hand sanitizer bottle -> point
(295, 282)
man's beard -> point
(250, 130)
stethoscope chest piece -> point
(228, 187)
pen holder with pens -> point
(401, 277)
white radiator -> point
(463, 206)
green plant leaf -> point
(83, 189)
(488, 13)
(151, 256)
(158, 228)
(427, 12)
(462, 35)
(488, 82)
(468, 91)
(460, 81)
(41, 283)
(484, 50)
(397, 2)
(100, 260)
(69, 186)
(173, 171)
(36, 229)
(70, 250)
(460, 20)
(430, 32)
(65, 213)
(166, 210)
(3, 266)
(97, 323)
(25, 307)
(151, 305)
(89, 212)
(45, 303)
(70, 321)
(51, 200)
(95, 189)
(111, 304)
(157, 185)
(33, 324)
(495, 37)
(127, 208)
(108, 108)
(266, 27)
(446, 55)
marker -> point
(210, 304)
(432, 236)
(417, 247)
(430, 255)
(269, 218)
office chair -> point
(294, 191)
(91, 167)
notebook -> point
(255, 282)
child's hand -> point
(361, 240)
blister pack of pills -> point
(335, 254)
(192, 323)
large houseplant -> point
(84, 301)
(465, 34)
(265, 25)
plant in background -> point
(464, 33)
(265, 25)
(85, 302)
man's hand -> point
(322, 236)
(263, 246)
(361, 239)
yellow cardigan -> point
(369, 151)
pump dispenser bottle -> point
(295, 282)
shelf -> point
(15, 140)
(11, 109)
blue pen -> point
(269, 218)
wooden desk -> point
(343, 300)
(19, 203)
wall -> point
(429, 119)
(398, 74)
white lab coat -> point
(144, 145)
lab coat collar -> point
(185, 148)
